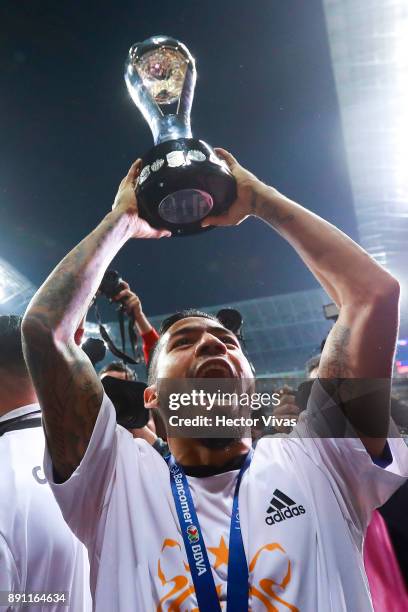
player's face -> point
(196, 347)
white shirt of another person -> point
(38, 551)
(304, 506)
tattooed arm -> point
(69, 391)
(362, 342)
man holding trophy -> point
(217, 527)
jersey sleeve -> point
(9, 577)
(359, 483)
(149, 340)
(83, 496)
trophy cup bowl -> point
(182, 180)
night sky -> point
(69, 132)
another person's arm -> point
(68, 388)
(134, 309)
(287, 409)
(362, 342)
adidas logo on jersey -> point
(282, 507)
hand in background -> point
(131, 302)
(133, 308)
(287, 409)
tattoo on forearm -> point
(56, 297)
(68, 388)
(70, 395)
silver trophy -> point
(182, 180)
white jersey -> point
(304, 505)
(38, 551)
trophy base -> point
(183, 181)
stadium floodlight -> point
(15, 290)
(369, 49)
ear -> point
(151, 399)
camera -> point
(111, 284)
(231, 319)
(127, 396)
(95, 349)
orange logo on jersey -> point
(268, 591)
(271, 586)
(181, 584)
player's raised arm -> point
(67, 386)
(362, 343)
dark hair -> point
(166, 324)
(184, 314)
(118, 366)
(11, 348)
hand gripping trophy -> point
(182, 179)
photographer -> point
(128, 401)
(133, 308)
(117, 290)
(127, 397)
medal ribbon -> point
(237, 585)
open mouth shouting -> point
(215, 368)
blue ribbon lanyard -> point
(206, 593)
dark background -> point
(69, 132)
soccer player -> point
(38, 552)
(218, 527)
